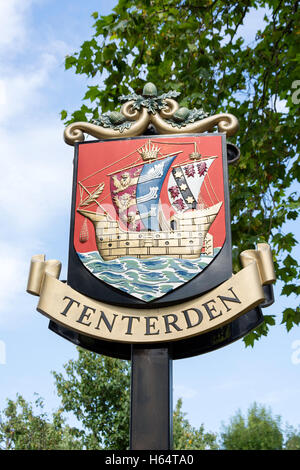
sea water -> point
(146, 279)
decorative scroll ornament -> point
(139, 111)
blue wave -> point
(146, 279)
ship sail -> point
(123, 186)
(185, 184)
(148, 191)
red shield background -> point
(108, 157)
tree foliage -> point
(96, 389)
(186, 437)
(259, 431)
(292, 438)
(24, 426)
(197, 48)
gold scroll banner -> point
(239, 294)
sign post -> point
(151, 399)
(150, 266)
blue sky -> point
(35, 198)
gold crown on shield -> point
(149, 153)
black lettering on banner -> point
(169, 323)
(130, 321)
(188, 319)
(108, 325)
(86, 315)
(229, 299)
(210, 310)
(71, 302)
(151, 325)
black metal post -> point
(151, 399)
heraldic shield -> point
(150, 222)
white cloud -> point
(232, 385)
(2, 94)
(12, 23)
(35, 190)
(35, 163)
(29, 67)
(21, 91)
(36, 169)
(181, 391)
(280, 396)
(12, 274)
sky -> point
(35, 201)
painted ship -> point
(141, 228)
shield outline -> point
(218, 271)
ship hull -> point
(185, 241)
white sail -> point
(195, 182)
(185, 183)
(175, 198)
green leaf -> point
(92, 93)
(291, 317)
(63, 114)
(70, 61)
